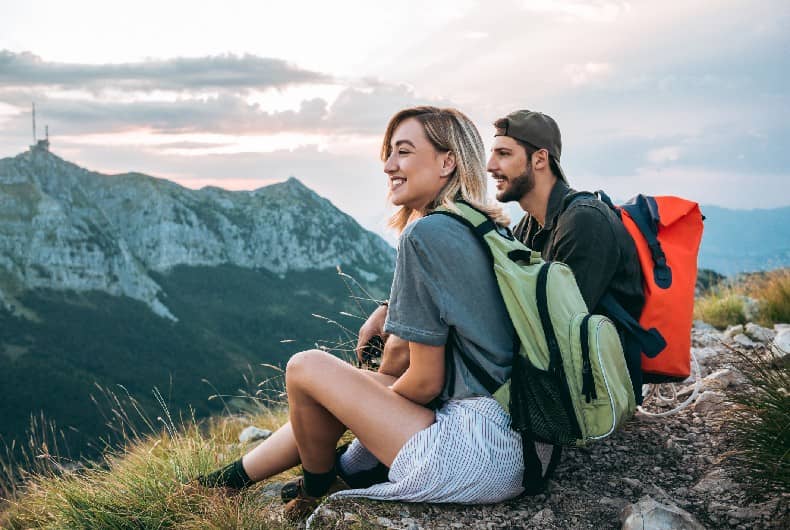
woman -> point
(444, 298)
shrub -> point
(773, 291)
(725, 304)
(761, 422)
(720, 308)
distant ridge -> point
(64, 227)
(734, 240)
(738, 241)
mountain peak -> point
(65, 227)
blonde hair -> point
(448, 130)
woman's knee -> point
(304, 365)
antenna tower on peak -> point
(42, 145)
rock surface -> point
(781, 345)
(253, 434)
(759, 333)
(649, 514)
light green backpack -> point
(570, 384)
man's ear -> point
(540, 159)
(448, 164)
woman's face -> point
(417, 172)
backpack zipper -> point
(605, 382)
(588, 382)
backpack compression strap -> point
(644, 212)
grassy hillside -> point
(231, 320)
(144, 486)
(141, 484)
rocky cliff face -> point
(64, 227)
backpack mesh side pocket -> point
(538, 410)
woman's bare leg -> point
(272, 456)
(326, 395)
(279, 453)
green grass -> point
(761, 422)
(773, 291)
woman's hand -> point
(373, 326)
(424, 379)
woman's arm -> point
(395, 358)
(423, 380)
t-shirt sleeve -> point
(586, 243)
(416, 305)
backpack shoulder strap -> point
(480, 224)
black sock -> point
(232, 475)
(317, 484)
(365, 478)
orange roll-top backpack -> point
(667, 232)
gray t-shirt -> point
(443, 280)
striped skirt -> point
(470, 455)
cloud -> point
(363, 110)
(369, 110)
(664, 155)
(583, 74)
(591, 10)
(231, 72)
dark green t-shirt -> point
(589, 238)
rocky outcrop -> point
(64, 227)
(657, 472)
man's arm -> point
(584, 240)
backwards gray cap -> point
(536, 129)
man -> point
(583, 233)
(576, 229)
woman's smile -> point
(395, 183)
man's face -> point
(510, 169)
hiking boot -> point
(290, 490)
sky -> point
(681, 97)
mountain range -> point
(132, 283)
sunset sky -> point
(687, 97)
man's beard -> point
(517, 187)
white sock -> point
(357, 458)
